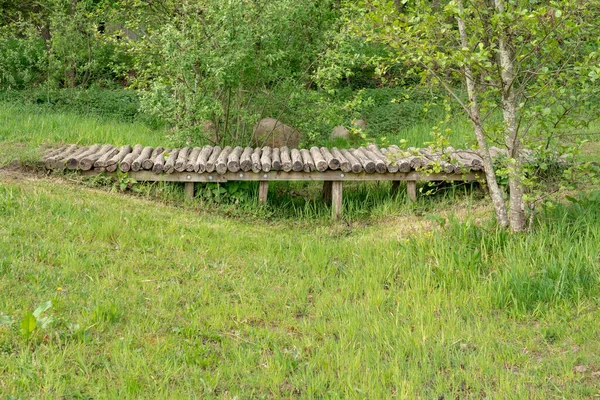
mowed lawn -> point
(154, 301)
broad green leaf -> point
(28, 324)
(41, 308)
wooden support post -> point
(189, 190)
(411, 188)
(395, 186)
(263, 189)
(336, 199)
(327, 192)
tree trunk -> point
(509, 112)
(475, 117)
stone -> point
(274, 133)
(340, 132)
(360, 124)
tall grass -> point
(152, 301)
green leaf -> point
(41, 308)
(28, 324)
(5, 320)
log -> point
(113, 163)
(307, 161)
(276, 159)
(54, 161)
(169, 166)
(136, 165)
(233, 161)
(367, 164)
(355, 165)
(286, 159)
(265, 159)
(297, 165)
(400, 157)
(159, 161)
(53, 152)
(192, 157)
(221, 165)
(182, 159)
(468, 159)
(88, 161)
(389, 165)
(380, 166)
(101, 162)
(345, 165)
(246, 159)
(125, 165)
(318, 158)
(332, 161)
(336, 199)
(212, 160)
(73, 161)
(436, 158)
(148, 163)
(200, 164)
(255, 157)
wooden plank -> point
(299, 176)
(263, 190)
(73, 160)
(411, 189)
(336, 199)
(189, 190)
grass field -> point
(151, 296)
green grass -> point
(157, 297)
(152, 301)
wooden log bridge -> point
(222, 164)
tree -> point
(532, 62)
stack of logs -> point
(370, 159)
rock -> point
(274, 133)
(340, 132)
(360, 124)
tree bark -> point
(509, 113)
(475, 117)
